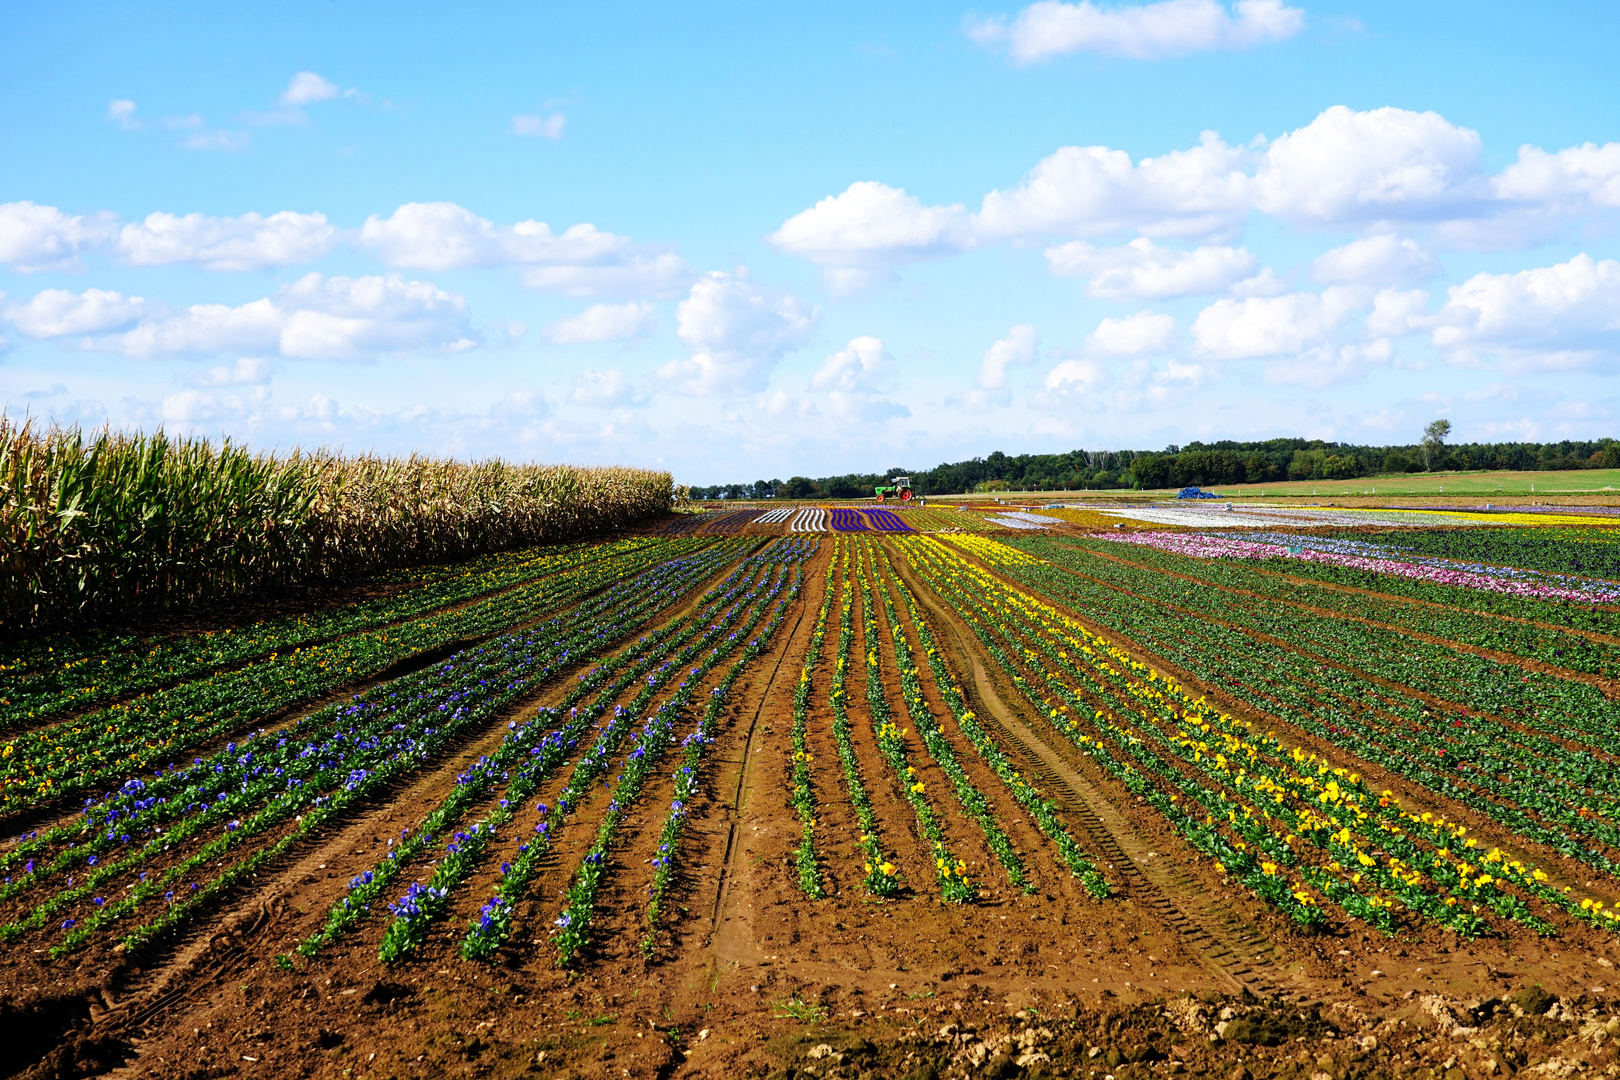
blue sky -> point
(744, 241)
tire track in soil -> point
(762, 907)
(1050, 875)
(620, 923)
(1230, 945)
(179, 971)
(731, 794)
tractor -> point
(898, 488)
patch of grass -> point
(796, 1008)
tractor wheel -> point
(880, 498)
(905, 496)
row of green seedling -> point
(686, 777)
(65, 759)
(801, 784)
(881, 876)
(574, 921)
(263, 783)
(493, 925)
(972, 800)
(423, 905)
(1043, 812)
(949, 871)
(126, 665)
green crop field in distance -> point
(1505, 482)
(1584, 482)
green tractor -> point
(897, 488)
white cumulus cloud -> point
(1375, 260)
(1017, 349)
(60, 313)
(316, 317)
(603, 322)
(735, 331)
(1399, 311)
(308, 88)
(860, 365)
(870, 226)
(1271, 326)
(35, 237)
(1373, 172)
(1572, 179)
(248, 242)
(1144, 333)
(1551, 316)
(1093, 191)
(1348, 167)
(1076, 378)
(1138, 31)
(581, 261)
(1142, 270)
(853, 377)
(445, 236)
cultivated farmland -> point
(834, 791)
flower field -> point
(607, 805)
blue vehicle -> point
(1195, 493)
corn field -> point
(111, 524)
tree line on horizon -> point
(1197, 463)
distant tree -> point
(798, 487)
(1434, 440)
(844, 487)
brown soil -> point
(1177, 973)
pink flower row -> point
(1201, 546)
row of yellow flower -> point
(1269, 796)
